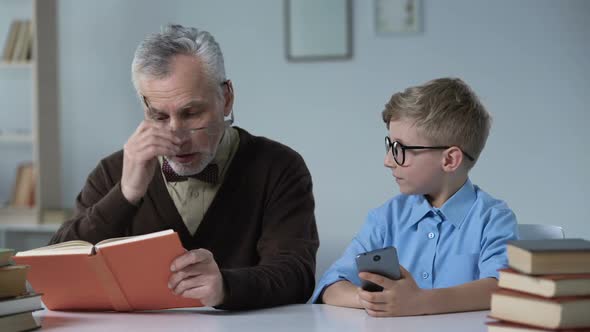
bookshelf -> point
(30, 90)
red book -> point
(123, 274)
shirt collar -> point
(456, 208)
(453, 210)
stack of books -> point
(546, 288)
(19, 42)
(16, 303)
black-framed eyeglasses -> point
(399, 150)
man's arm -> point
(102, 211)
(287, 247)
(109, 199)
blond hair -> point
(446, 111)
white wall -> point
(528, 61)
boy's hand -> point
(400, 297)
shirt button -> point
(424, 275)
(431, 235)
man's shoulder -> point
(266, 148)
(115, 160)
(111, 166)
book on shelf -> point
(10, 41)
(555, 256)
(13, 280)
(550, 285)
(121, 274)
(6, 256)
(550, 313)
(55, 216)
(18, 215)
(19, 304)
(19, 42)
(503, 326)
(24, 186)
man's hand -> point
(196, 275)
(400, 297)
(140, 157)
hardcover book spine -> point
(109, 283)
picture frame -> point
(318, 30)
(397, 16)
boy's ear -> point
(452, 159)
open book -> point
(122, 274)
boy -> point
(450, 235)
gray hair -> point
(154, 54)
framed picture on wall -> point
(318, 30)
(397, 16)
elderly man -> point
(241, 204)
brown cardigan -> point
(260, 226)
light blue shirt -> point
(463, 241)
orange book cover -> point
(123, 274)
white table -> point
(303, 317)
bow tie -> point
(210, 174)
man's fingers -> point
(177, 277)
(190, 258)
(162, 134)
(149, 151)
(189, 282)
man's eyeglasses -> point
(399, 150)
(210, 130)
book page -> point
(128, 239)
(64, 248)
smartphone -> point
(381, 261)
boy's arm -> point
(474, 295)
(343, 294)
(404, 298)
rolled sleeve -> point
(369, 238)
(501, 228)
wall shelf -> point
(16, 139)
(16, 65)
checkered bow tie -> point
(210, 174)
